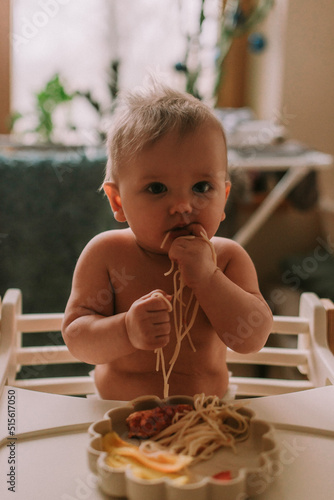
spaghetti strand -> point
(180, 315)
(199, 433)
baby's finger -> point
(160, 317)
(162, 330)
(160, 341)
(160, 301)
(159, 335)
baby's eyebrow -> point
(151, 177)
(209, 174)
(201, 175)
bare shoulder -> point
(236, 264)
(112, 237)
(100, 255)
(108, 242)
(228, 250)
(91, 276)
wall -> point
(308, 88)
(294, 79)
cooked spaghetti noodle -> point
(199, 433)
(181, 312)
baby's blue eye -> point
(157, 188)
(202, 187)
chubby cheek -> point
(212, 219)
(147, 228)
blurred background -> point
(265, 66)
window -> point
(80, 39)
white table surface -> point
(54, 465)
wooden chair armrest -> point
(329, 306)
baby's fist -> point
(148, 321)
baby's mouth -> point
(178, 231)
(181, 230)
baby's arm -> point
(91, 330)
(228, 293)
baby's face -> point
(173, 184)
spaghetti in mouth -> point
(178, 231)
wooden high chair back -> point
(312, 355)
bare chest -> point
(134, 278)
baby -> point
(167, 178)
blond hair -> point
(146, 114)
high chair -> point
(313, 356)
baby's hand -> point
(148, 321)
(193, 257)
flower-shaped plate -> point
(252, 465)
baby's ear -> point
(114, 198)
(227, 192)
(227, 189)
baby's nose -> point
(181, 206)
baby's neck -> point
(158, 256)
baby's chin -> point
(152, 249)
